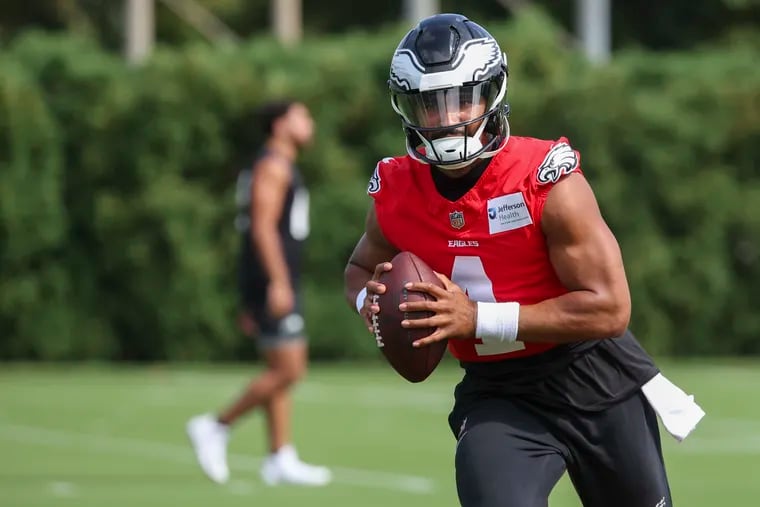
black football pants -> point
(511, 454)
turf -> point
(99, 435)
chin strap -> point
(430, 147)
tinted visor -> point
(447, 107)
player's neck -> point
(453, 187)
(477, 166)
(455, 174)
(282, 148)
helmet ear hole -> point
(496, 121)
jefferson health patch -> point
(507, 212)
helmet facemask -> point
(451, 127)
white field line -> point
(436, 402)
(63, 489)
(717, 435)
(64, 439)
(425, 401)
(315, 393)
(742, 445)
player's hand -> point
(455, 314)
(247, 324)
(374, 289)
(280, 299)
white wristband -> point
(360, 299)
(497, 322)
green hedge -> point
(116, 208)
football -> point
(414, 364)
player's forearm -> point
(575, 316)
(355, 278)
(267, 243)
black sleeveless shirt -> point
(293, 225)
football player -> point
(273, 222)
(536, 304)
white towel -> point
(677, 410)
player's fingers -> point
(372, 305)
(432, 289)
(434, 321)
(381, 268)
(448, 284)
(375, 287)
(436, 336)
(417, 306)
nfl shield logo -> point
(457, 219)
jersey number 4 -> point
(469, 274)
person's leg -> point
(286, 364)
(617, 457)
(505, 457)
(209, 433)
(286, 360)
(278, 413)
(289, 364)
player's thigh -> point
(505, 457)
(288, 358)
(274, 333)
(620, 461)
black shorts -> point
(514, 442)
(276, 332)
(272, 332)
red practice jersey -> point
(489, 241)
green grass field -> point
(114, 437)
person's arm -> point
(586, 257)
(369, 258)
(269, 186)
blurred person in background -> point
(535, 303)
(274, 222)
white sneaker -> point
(209, 439)
(284, 467)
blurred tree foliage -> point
(648, 23)
(116, 205)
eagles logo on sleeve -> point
(560, 160)
(374, 181)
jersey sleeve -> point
(552, 164)
(378, 182)
(381, 189)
